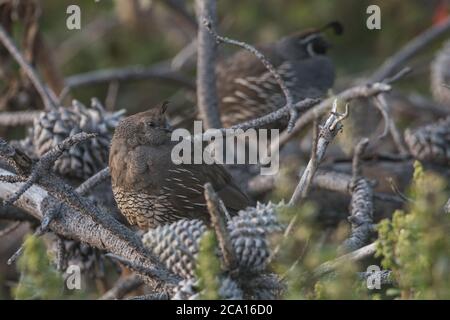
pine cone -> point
(248, 231)
(440, 74)
(83, 160)
(90, 260)
(188, 290)
(177, 245)
(229, 290)
(431, 143)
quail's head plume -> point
(151, 190)
(247, 90)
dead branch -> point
(47, 97)
(93, 181)
(152, 296)
(159, 71)
(390, 126)
(207, 99)
(353, 256)
(73, 224)
(218, 221)
(18, 118)
(75, 217)
(417, 44)
(12, 227)
(327, 133)
(361, 205)
(123, 286)
(341, 182)
(323, 107)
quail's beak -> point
(168, 128)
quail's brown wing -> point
(186, 182)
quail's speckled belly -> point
(144, 210)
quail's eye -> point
(151, 124)
(315, 47)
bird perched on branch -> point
(247, 90)
(151, 190)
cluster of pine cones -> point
(177, 246)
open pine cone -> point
(431, 143)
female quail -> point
(149, 188)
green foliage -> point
(415, 244)
(304, 250)
(208, 267)
(38, 279)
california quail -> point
(247, 90)
(149, 188)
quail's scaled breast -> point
(151, 190)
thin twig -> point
(93, 181)
(390, 126)
(12, 227)
(47, 97)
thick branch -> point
(420, 42)
(207, 99)
(159, 72)
(73, 224)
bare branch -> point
(44, 165)
(47, 97)
(10, 228)
(107, 235)
(327, 133)
(409, 50)
(323, 107)
(361, 205)
(218, 221)
(18, 118)
(158, 72)
(354, 256)
(93, 181)
(391, 127)
(207, 99)
(123, 286)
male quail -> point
(247, 90)
(149, 188)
